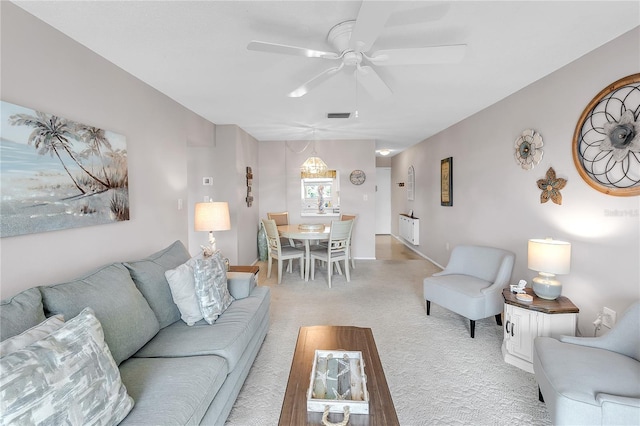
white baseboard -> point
(416, 251)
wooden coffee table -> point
(294, 407)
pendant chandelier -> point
(314, 166)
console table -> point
(524, 321)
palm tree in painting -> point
(94, 138)
(50, 135)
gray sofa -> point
(175, 373)
(592, 380)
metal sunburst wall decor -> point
(606, 142)
(528, 149)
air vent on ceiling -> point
(339, 115)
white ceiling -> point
(195, 52)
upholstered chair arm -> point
(618, 410)
(604, 398)
(503, 276)
(623, 338)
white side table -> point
(524, 321)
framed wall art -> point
(606, 141)
(446, 182)
(411, 183)
(57, 173)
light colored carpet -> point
(436, 373)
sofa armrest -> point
(241, 284)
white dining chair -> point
(279, 253)
(282, 218)
(337, 249)
(353, 218)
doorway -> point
(383, 200)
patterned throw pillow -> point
(183, 290)
(211, 287)
(68, 377)
(31, 335)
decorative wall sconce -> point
(249, 183)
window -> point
(320, 196)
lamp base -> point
(545, 287)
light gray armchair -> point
(592, 380)
(471, 284)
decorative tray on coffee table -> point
(337, 381)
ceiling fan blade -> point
(372, 82)
(419, 56)
(315, 81)
(263, 46)
(372, 17)
(429, 13)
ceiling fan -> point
(352, 41)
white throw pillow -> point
(211, 287)
(32, 335)
(68, 377)
(183, 290)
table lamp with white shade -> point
(549, 257)
(210, 217)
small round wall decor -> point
(606, 142)
(357, 177)
(528, 149)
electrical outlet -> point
(608, 317)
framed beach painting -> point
(56, 173)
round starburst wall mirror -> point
(606, 142)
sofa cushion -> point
(183, 290)
(211, 287)
(20, 312)
(125, 315)
(148, 274)
(32, 335)
(228, 337)
(448, 289)
(69, 377)
(172, 391)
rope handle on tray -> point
(325, 417)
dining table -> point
(306, 233)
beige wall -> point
(45, 70)
(280, 183)
(225, 158)
(495, 202)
